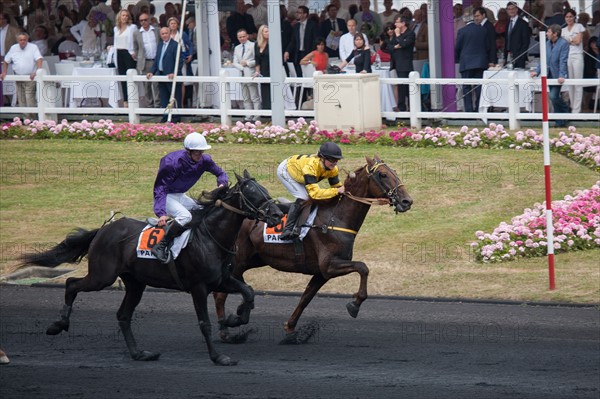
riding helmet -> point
(195, 141)
(330, 150)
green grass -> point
(48, 187)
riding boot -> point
(162, 249)
(290, 231)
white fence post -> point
(224, 98)
(414, 98)
(133, 97)
(46, 95)
(513, 101)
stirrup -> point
(165, 256)
(292, 234)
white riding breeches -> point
(296, 189)
(179, 205)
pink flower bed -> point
(576, 222)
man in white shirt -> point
(347, 40)
(150, 37)
(26, 60)
(243, 60)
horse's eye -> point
(383, 175)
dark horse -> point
(327, 248)
(202, 266)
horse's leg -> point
(314, 285)
(232, 285)
(199, 295)
(242, 317)
(73, 286)
(338, 268)
(220, 299)
(133, 294)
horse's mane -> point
(207, 199)
(351, 179)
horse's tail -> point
(71, 250)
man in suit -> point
(480, 18)
(517, 36)
(479, 3)
(557, 55)
(243, 60)
(304, 38)
(471, 40)
(8, 37)
(150, 38)
(164, 65)
(337, 27)
(402, 45)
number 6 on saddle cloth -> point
(151, 235)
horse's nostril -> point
(407, 202)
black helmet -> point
(330, 150)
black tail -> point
(71, 250)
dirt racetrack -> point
(394, 349)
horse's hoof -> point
(224, 360)
(145, 356)
(240, 338)
(242, 308)
(290, 339)
(3, 358)
(352, 309)
(56, 328)
(232, 321)
(301, 335)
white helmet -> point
(195, 141)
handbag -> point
(333, 69)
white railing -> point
(50, 98)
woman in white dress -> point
(573, 34)
(124, 46)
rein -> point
(367, 201)
(220, 203)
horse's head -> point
(383, 182)
(255, 200)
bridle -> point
(391, 194)
(246, 207)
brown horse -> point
(327, 248)
(202, 266)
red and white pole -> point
(546, 132)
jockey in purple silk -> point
(177, 173)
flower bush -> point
(576, 222)
(583, 149)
